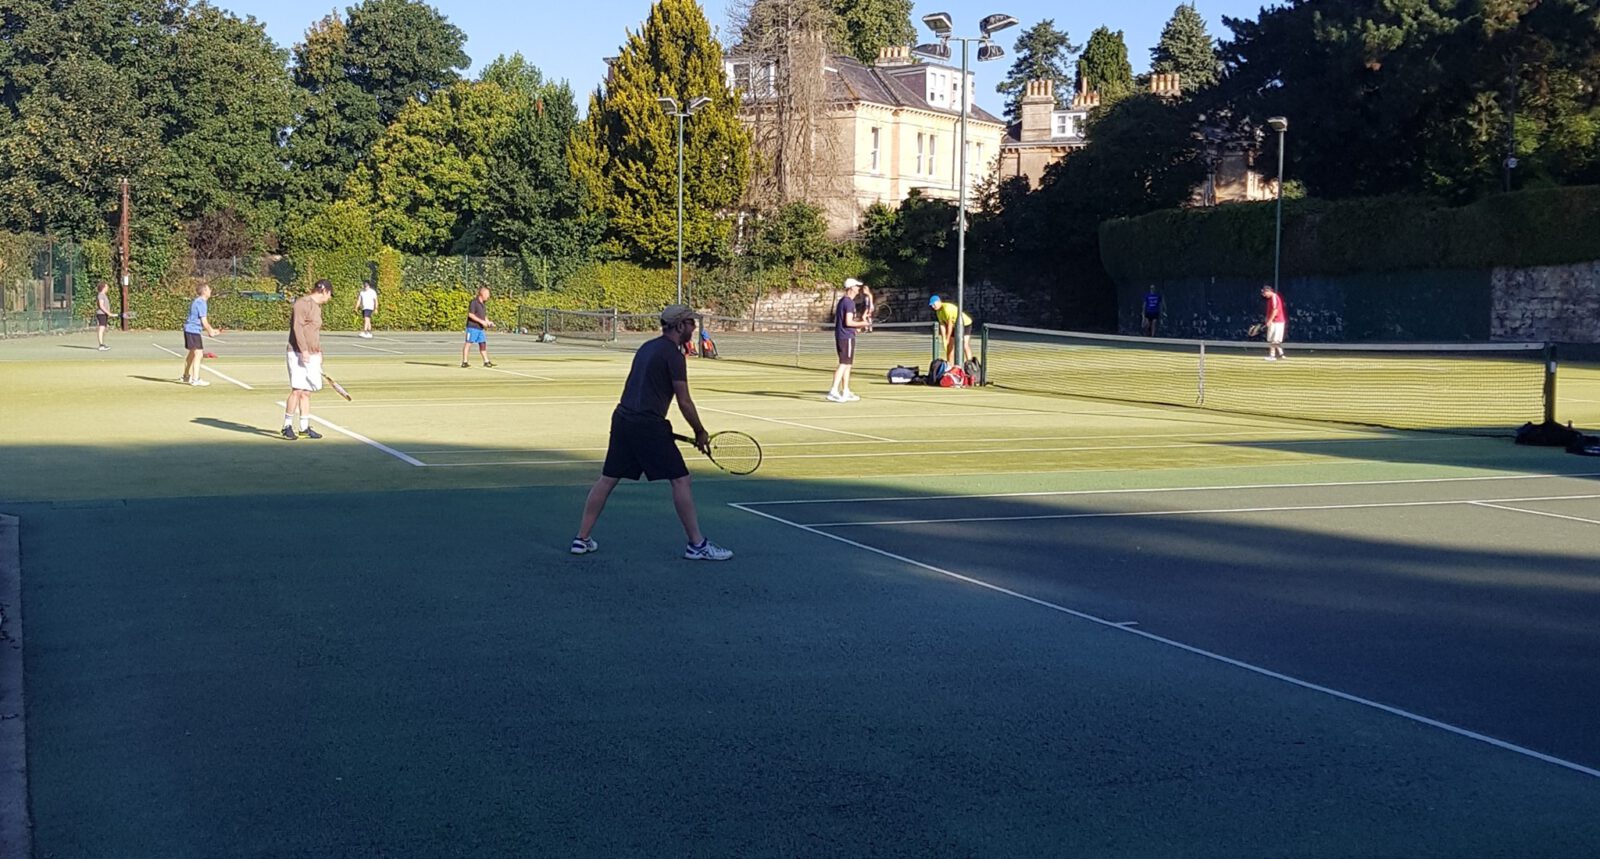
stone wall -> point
(1558, 303)
(986, 302)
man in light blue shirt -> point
(192, 329)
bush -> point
(1548, 226)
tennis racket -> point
(732, 451)
(337, 388)
(1256, 329)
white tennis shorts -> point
(305, 377)
(1275, 332)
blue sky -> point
(570, 43)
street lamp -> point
(670, 105)
(1280, 125)
(942, 26)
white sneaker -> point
(850, 397)
(1271, 358)
(367, 335)
(835, 397)
(103, 348)
(584, 545)
(706, 551)
(200, 383)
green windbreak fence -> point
(1474, 388)
(37, 282)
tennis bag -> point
(904, 375)
(936, 371)
(708, 349)
(955, 377)
(973, 369)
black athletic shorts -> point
(102, 319)
(643, 446)
(366, 314)
(847, 349)
(192, 341)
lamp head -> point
(936, 50)
(697, 104)
(992, 24)
(1278, 123)
(990, 51)
(668, 104)
(940, 23)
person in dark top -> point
(847, 317)
(477, 320)
(641, 436)
(1152, 311)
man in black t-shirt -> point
(847, 317)
(641, 435)
(477, 321)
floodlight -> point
(697, 104)
(990, 51)
(668, 104)
(937, 50)
(940, 23)
(992, 24)
(1278, 123)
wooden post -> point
(123, 277)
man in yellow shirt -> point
(946, 312)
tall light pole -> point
(942, 26)
(670, 105)
(1280, 125)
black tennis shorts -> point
(102, 319)
(192, 341)
(643, 446)
(847, 349)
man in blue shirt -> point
(192, 328)
(1152, 311)
(846, 319)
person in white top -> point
(367, 303)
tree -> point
(863, 27)
(1042, 54)
(232, 100)
(429, 173)
(1103, 67)
(625, 153)
(532, 206)
(1187, 50)
(359, 71)
(794, 234)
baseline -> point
(1126, 628)
(400, 455)
(218, 373)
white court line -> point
(1537, 512)
(1371, 505)
(1189, 648)
(205, 368)
(523, 375)
(797, 424)
(409, 460)
(1145, 491)
(375, 348)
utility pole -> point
(122, 255)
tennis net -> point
(1477, 388)
(803, 345)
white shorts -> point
(1275, 333)
(307, 377)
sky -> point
(572, 46)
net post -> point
(983, 356)
(933, 344)
(1549, 383)
(1200, 378)
(615, 322)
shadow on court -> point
(412, 671)
(234, 426)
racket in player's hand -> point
(1256, 329)
(732, 451)
(337, 388)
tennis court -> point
(959, 622)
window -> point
(932, 170)
(876, 135)
(1062, 126)
(921, 139)
(978, 165)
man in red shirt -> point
(1277, 320)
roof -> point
(850, 80)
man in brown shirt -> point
(305, 359)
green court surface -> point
(958, 622)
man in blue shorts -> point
(847, 317)
(477, 321)
(641, 435)
(193, 345)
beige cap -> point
(673, 314)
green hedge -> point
(1549, 226)
(254, 304)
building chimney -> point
(894, 55)
(1086, 100)
(1038, 101)
(1165, 85)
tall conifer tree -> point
(1187, 49)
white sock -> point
(288, 421)
(305, 423)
